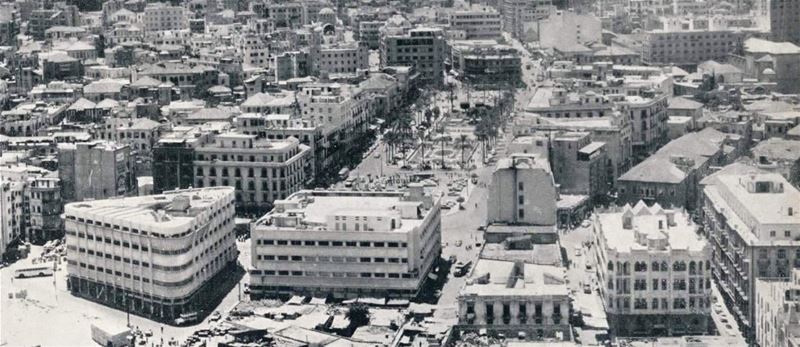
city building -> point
(486, 62)
(477, 22)
(339, 58)
(653, 271)
(784, 25)
(753, 225)
(779, 156)
(173, 156)
(261, 170)
(347, 244)
(567, 28)
(777, 310)
(161, 17)
(156, 256)
(580, 165)
(423, 48)
(670, 176)
(518, 15)
(369, 32)
(12, 219)
(522, 199)
(681, 45)
(515, 299)
(95, 170)
(782, 58)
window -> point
(521, 213)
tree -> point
(358, 315)
(463, 138)
(100, 46)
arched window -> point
(655, 266)
(199, 171)
(610, 268)
(237, 172)
(692, 267)
(664, 266)
(224, 172)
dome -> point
(326, 11)
(768, 71)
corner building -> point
(654, 271)
(347, 244)
(156, 255)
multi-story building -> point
(580, 165)
(423, 48)
(42, 19)
(648, 115)
(784, 25)
(486, 62)
(369, 32)
(653, 271)
(161, 17)
(567, 28)
(12, 218)
(173, 157)
(475, 23)
(753, 225)
(522, 199)
(670, 177)
(343, 111)
(8, 26)
(348, 57)
(44, 206)
(519, 14)
(261, 170)
(681, 44)
(511, 297)
(156, 256)
(95, 170)
(347, 244)
(777, 309)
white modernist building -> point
(346, 244)
(156, 255)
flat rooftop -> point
(680, 235)
(169, 213)
(508, 278)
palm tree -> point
(358, 315)
(463, 138)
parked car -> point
(587, 288)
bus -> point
(187, 318)
(343, 173)
(37, 271)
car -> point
(586, 224)
(723, 320)
(376, 155)
(481, 227)
(478, 245)
(458, 243)
(577, 251)
(445, 207)
(587, 289)
(215, 316)
(588, 267)
(453, 259)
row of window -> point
(330, 274)
(266, 242)
(640, 266)
(641, 303)
(326, 259)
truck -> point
(187, 318)
(111, 335)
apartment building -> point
(518, 15)
(486, 62)
(648, 115)
(41, 19)
(580, 165)
(261, 170)
(515, 298)
(339, 58)
(156, 256)
(12, 219)
(784, 25)
(777, 308)
(567, 28)
(423, 48)
(653, 272)
(95, 170)
(753, 225)
(475, 23)
(173, 156)
(779, 156)
(343, 111)
(161, 17)
(369, 32)
(347, 244)
(689, 47)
